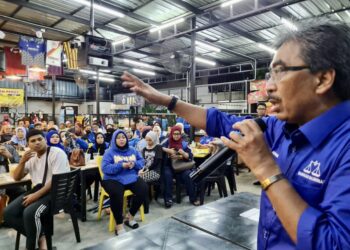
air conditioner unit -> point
(98, 61)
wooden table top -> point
(6, 179)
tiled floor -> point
(93, 231)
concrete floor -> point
(93, 231)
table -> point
(90, 167)
(222, 219)
(200, 152)
(166, 234)
(7, 181)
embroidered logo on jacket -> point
(312, 172)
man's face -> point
(37, 143)
(95, 128)
(261, 110)
(292, 93)
(20, 124)
(27, 124)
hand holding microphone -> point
(248, 143)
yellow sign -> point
(11, 97)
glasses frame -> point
(278, 70)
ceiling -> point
(237, 29)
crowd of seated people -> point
(131, 158)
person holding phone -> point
(121, 165)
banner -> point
(53, 53)
(11, 97)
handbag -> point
(179, 165)
(77, 158)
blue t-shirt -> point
(315, 159)
(33, 51)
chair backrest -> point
(99, 164)
(62, 190)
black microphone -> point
(215, 161)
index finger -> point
(128, 76)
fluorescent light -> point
(105, 70)
(101, 8)
(13, 77)
(123, 40)
(141, 64)
(2, 34)
(145, 72)
(267, 48)
(347, 12)
(104, 79)
(205, 61)
(207, 46)
(340, 19)
(36, 69)
(85, 71)
(166, 25)
(289, 24)
(230, 3)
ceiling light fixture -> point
(205, 61)
(166, 25)
(289, 24)
(267, 48)
(101, 8)
(13, 77)
(105, 79)
(347, 12)
(123, 40)
(337, 15)
(207, 46)
(2, 34)
(86, 71)
(144, 72)
(225, 4)
(141, 64)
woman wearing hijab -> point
(53, 139)
(177, 148)
(19, 139)
(153, 155)
(100, 146)
(184, 136)
(121, 165)
(161, 134)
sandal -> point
(131, 223)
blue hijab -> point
(48, 137)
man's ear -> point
(325, 80)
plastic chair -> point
(62, 190)
(104, 194)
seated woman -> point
(19, 139)
(120, 165)
(100, 146)
(177, 148)
(53, 139)
(162, 135)
(71, 141)
(153, 156)
(184, 136)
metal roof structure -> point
(236, 29)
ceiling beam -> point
(12, 14)
(40, 8)
(71, 14)
(248, 14)
(36, 25)
(129, 13)
(8, 42)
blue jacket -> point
(112, 162)
(133, 142)
(315, 159)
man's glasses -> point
(276, 74)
